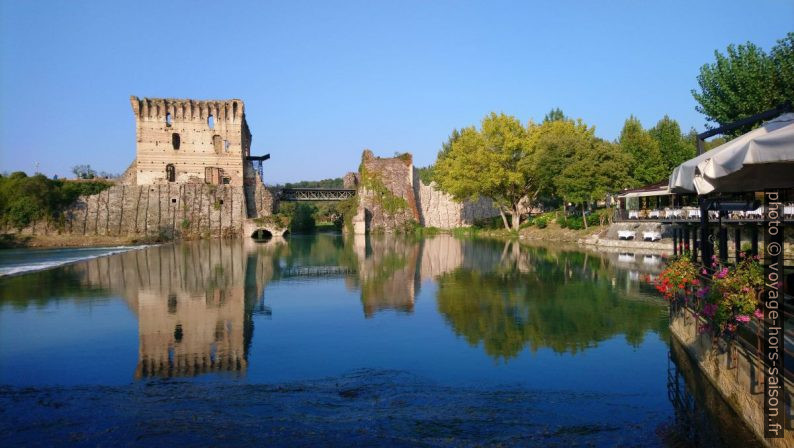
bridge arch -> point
(261, 234)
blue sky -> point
(323, 80)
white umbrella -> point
(762, 158)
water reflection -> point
(195, 302)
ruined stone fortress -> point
(189, 141)
(194, 176)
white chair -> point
(626, 257)
(634, 214)
(653, 214)
(626, 235)
(651, 235)
(651, 259)
(693, 213)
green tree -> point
(83, 172)
(426, 174)
(555, 115)
(745, 81)
(675, 147)
(646, 165)
(495, 162)
(555, 142)
(595, 169)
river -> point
(325, 340)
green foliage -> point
(302, 219)
(391, 204)
(556, 142)
(555, 115)
(25, 199)
(674, 146)
(561, 305)
(325, 183)
(348, 209)
(185, 224)
(279, 220)
(745, 81)
(594, 170)
(576, 222)
(426, 174)
(84, 172)
(496, 162)
(647, 165)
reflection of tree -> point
(39, 288)
(563, 304)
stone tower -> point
(190, 141)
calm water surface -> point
(331, 340)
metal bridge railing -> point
(316, 194)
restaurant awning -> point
(658, 189)
(760, 159)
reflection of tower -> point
(191, 320)
(186, 333)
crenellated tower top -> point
(147, 109)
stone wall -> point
(439, 209)
(169, 210)
(736, 373)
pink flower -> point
(742, 254)
(731, 327)
(758, 314)
(709, 309)
(723, 272)
(704, 271)
(743, 318)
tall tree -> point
(555, 143)
(494, 162)
(595, 169)
(675, 147)
(646, 165)
(555, 115)
(745, 81)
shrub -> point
(25, 199)
(302, 219)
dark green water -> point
(321, 340)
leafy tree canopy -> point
(647, 165)
(745, 81)
(495, 161)
(675, 147)
(555, 115)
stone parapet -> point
(735, 372)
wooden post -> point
(705, 244)
(675, 240)
(754, 239)
(723, 238)
(687, 248)
(737, 242)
